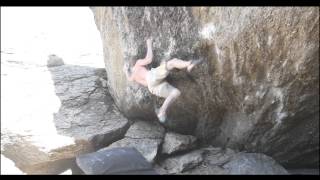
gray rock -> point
(174, 142)
(114, 161)
(54, 60)
(146, 137)
(215, 156)
(145, 129)
(254, 163)
(213, 160)
(87, 110)
(181, 163)
(207, 170)
(257, 89)
(147, 147)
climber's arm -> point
(148, 59)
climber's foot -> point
(161, 116)
(193, 63)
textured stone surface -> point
(217, 156)
(114, 161)
(146, 137)
(213, 160)
(174, 142)
(181, 163)
(207, 170)
(145, 130)
(254, 163)
(87, 110)
(257, 90)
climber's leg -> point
(178, 64)
(181, 64)
(174, 94)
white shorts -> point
(156, 81)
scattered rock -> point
(213, 160)
(254, 163)
(174, 142)
(181, 163)
(145, 130)
(144, 136)
(216, 156)
(114, 161)
(54, 61)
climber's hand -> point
(149, 40)
(125, 68)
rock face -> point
(87, 110)
(254, 163)
(257, 90)
(174, 142)
(146, 137)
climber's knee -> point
(170, 64)
(176, 93)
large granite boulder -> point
(257, 89)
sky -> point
(30, 34)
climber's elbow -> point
(130, 78)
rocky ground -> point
(47, 140)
